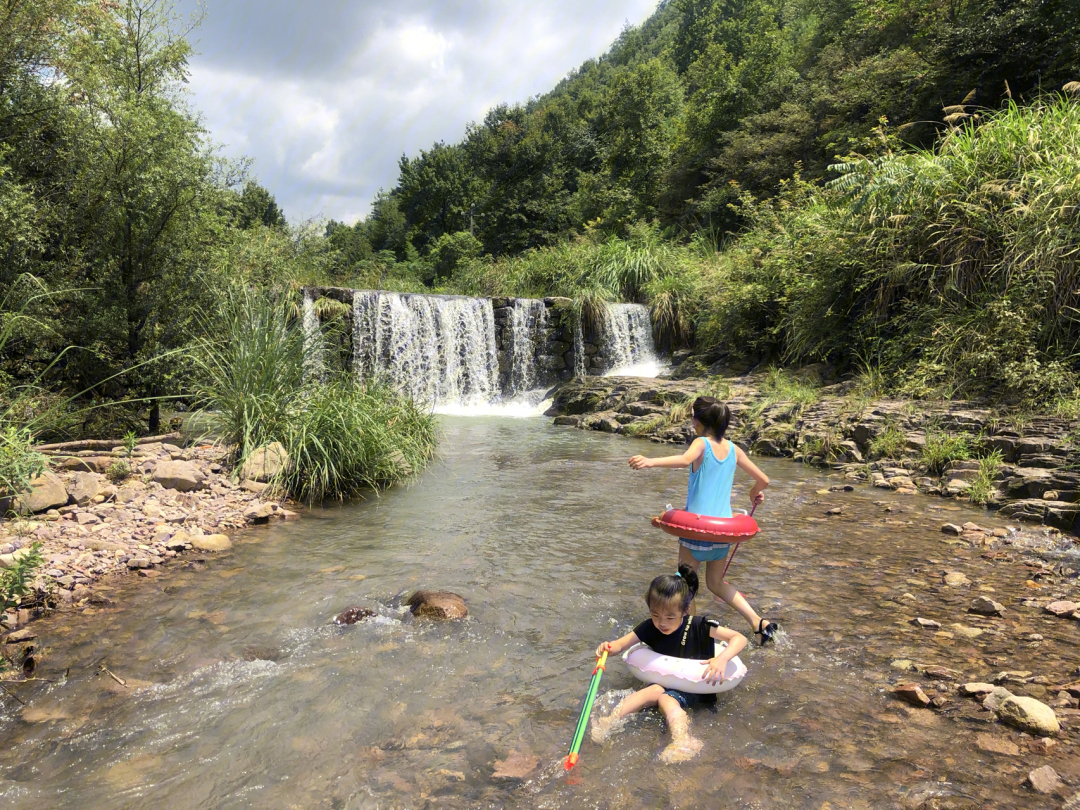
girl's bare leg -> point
(643, 698)
(682, 746)
(714, 581)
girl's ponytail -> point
(713, 414)
(668, 588)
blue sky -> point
(326, 96)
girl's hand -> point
(714, 671)
(640, 462)
(603, 648)
(758, 499)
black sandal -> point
(766, 631)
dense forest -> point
(868, 183)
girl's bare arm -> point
(692, 454)
(736, 643)
(617, 646)
(761, 480)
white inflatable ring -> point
(683, 674)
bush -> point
(15, 580)
(263, 382)
(118, 471)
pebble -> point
(954, 579)
(911, 693)
(927, 623)
(1045, 780)
(986, 606)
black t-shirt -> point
(700, 646)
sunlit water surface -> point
(240, 693)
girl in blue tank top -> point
(712, 460)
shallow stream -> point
(239, 693)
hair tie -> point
(678, 574)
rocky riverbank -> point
(1026, 467)
(95, 522)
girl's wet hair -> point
(668, 588)
(713, 414)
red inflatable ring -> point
(707, 529)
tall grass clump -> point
(941, 449)
(261, 379)
(982, 487)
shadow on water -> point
(241, 693)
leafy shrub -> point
(118, 471)
(889, 443)
(982, 487)
(942, 449)
(15, 580)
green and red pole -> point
(586, 710)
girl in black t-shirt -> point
(670, 630)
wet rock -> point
(985, 606)
(518, 766)
(836, 510)
(353, 615)
(1045, 780)
(1062, 608)
(954, 579)
(911, 693)
(995, 744)
(26, 634)
(183, 476)
(941, 673)
(994, 700)
(1030, 715)
(47, 491)
(437, 605)
(976, 689)
(1012, 676)
(260, 512)
(965, 631)
(928, 624)
(211, 542)
(1042, 745)
(265, 463)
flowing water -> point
(241, 694)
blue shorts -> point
(686, 700)
(705, 552)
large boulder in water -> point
(437, 605)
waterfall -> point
(528, 321)
(440, 349)
(628, 342)
(313, 365)
(579, 347)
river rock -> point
(26, 634)
(1045, 780)
(976, 689)
(994, 700)
(1062, 608)
(85, 487)
(437, 605)
(911, 693)
(928, 624)
(985, 606)
(47, 491)
(353, 615)
(1030, 715)
(515, 767)
(182, 476)
(264, 463)
(966, 631)
(996, 744)
(260, 512)
(211, 542)
(954, 579)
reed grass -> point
(258, 380)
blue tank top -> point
(709, 492)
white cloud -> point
(326, 103)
